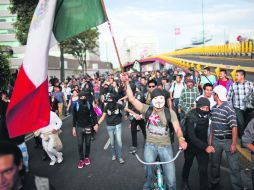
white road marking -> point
(107, 144)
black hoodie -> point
(85, 116)
(197, 133)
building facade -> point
(7, 34)
(8, 39)
(139, 47)
(71, 67)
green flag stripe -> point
(75, 16)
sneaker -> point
(121, 161)
(60, 158)
(81, 164)
(87, 161)
(52, 162)
(133, 149)
(113, 157)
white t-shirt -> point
(67, 92)
(54, 123)
(211, 100)
(177, 88)
(51, 88)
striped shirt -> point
(188, 96)
(223, 119)
(237, 92)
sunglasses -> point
(151, 86)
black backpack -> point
(168, 118)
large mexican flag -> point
(53, 21)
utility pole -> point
(62, 64)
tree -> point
(79, 45)
(5, 73)
(24, 10)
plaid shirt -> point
(187, 98)
(237, 92)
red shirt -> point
(223, 83)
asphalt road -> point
(104, 174)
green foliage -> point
(5, 73)
(24, 10)
(79, 45)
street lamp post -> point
(62, 73)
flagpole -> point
(113, 38)
(117, 53)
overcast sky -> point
(224, 20)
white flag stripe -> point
(36, 58)
(53, 40)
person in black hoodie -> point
(84, 120)
(197, 123)
(136, 122)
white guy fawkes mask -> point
(158, 102)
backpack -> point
(183, 125)
(168, 118)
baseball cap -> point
(221, 91)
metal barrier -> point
(241, 48)
(187, 64)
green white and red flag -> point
(53, 21)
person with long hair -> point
(113, 114)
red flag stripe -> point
(27, 100)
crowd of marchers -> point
(204, 114)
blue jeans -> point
(165, 154)
(23, 149)
(115, 133)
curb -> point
(244, 152)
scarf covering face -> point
(82, 98)
(201, 103)
(112, 102)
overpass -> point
(228, 56)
